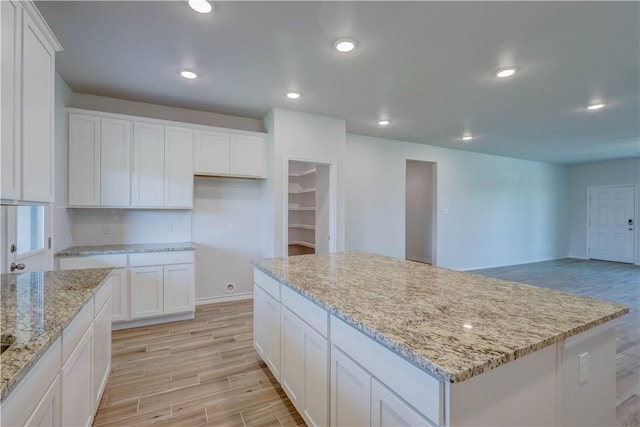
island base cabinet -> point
(77, 384)
(102, 351)
(388, 410)
(48, 412)
(267, 338)
(350, 391)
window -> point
(30, 228)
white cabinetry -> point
(267, 327)
(27, 91)
(48, 412)
(120, 299)
(77, 384)
(388, 410)
(178, 170)
(148, 165)
(102, 350)
(178, 291)
(99, 161)
(146, 291)
(228, 154)
(350, 392)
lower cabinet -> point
(48, 411)
(178, 290)
(267, 329)
(120, 299)
(350, 392)
(159, 290)
(102, 351)
(77, 385)
(387, 409)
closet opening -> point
(420, 211)
(311, 214)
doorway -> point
(611, 223)
(26, 245)
(311, 214)
(420, 211)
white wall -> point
(298, 136)
(419, 211)
(491, 210)
(581, 177)
(226, 226)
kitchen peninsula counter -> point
(135, 248)
(36, 307)
(486, 341)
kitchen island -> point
(394, 341)
(58, 325)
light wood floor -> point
(605, 280)
(206, 372)
(198, 372)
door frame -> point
(636, 231)
(333, 200)
(434, 208)
(8, 219)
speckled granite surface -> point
(452, 324)
(125, 249)
(35, 309)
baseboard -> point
(224, 298)
(152, 321)
(482, 267)
(418, 259)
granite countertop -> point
(452, 324)
(125, 249)
(36, 307)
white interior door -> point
(612, 223)
(26, 245)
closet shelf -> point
(305, 226)
(307, 172)
(301, 243)
(298, 208)
(305, 190)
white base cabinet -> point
(48, 412)
(77, 384)
(267, 329)
(146, 291)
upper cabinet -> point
(27, 90)
(230, 154)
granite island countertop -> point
(36, 307)
(452, 324)
(135, 248)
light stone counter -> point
(136, 248)
(36, 307)
(455, 325)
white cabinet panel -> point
(101, 351)
(273, 336)
(259, 324)
(10, 106)
(115, 162)
(37, 114)
(178, 288)
(84, 160)
(77, 384)
(291, 373)
(120, 297)
(247, 156)
(315, 374)
(387, 410)
(211, 152)
(350, 392)
(49, 409)
(146, 291)
(148, 165)
(178, 187)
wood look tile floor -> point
(206, 372)
(605, 280)
(193, 373)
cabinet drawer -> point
(421, 390)
(267, 283)
(73, 333)
(316, 316)
(161, 258)
(102, 295)
(93, 261)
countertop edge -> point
(427, 365)
(68, 253)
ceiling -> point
(426, 66)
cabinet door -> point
(120, 296)
(272, 350)
(115, 162)
(315, 374)
(389, 411)
(37, 114)
(350, 392)
(101, 351)
(77, 384)
(146, 291)
(259, 320)
(179, 288)
(178, 186)
(49, 410)
(248, 156)
(148, 165)
(84, 160)
(291, 374)
(211, 153)
(10, 102)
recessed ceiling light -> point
(201, 6)
(345, 45)
(596, 106)
(188, 74)
(467, 137)
(506, 72)
(383, 122)
(293, 95)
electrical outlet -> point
(584, 367)
(232, 226)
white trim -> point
(152, 321)
(225, 298)
(37, 18)
(482, 267)
(417, 259)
